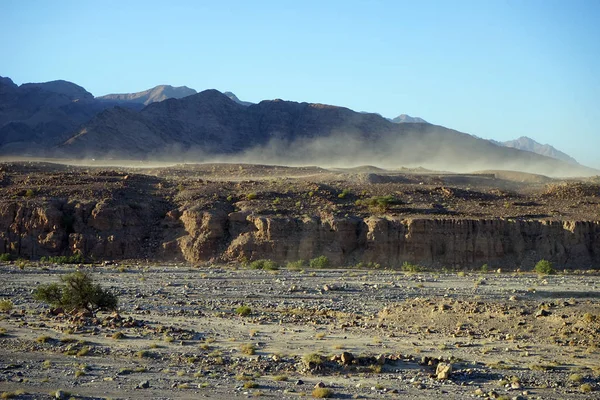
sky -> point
(497, 69)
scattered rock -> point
(443, 371)
(143, 385)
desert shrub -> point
(6, 305)
(29, 193)
(484, 268)
(243, 311)
(77, 292)
(322, 393)
(312, 359)
(409, 267)
(250, 385)
(586, 388)
(251, 196)
(5, 257)
(343, 194)
(264, 264)
(295, 265)
(319, 262)
(381, 203)
(72, 259)
(248, 348)
(544, 267)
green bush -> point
(72, 259)
(243, 311)
(344, 193)
(5, 257)
(264, 264)
(544, 267)
(319, 262)
(379, 202)
(295, 265)
(6, 305)
(77, 292)
(408, 267)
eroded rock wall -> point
(109, 229)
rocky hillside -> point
(156, 94)
(198, 213)
(34, 116)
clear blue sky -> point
(494, 68)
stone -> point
(542, 313)
(143, 385)
(347, 358)
(443, 371)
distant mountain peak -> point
(402, 118)
(153, 95)
(528, 144)
(69, 89)
(236, 99)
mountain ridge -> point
(61, 119)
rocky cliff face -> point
(105, 230)
(100, 230)
(391, 241)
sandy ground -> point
(182, 336)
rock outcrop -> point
(389, 241)
(106, 230)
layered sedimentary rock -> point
(108, 229)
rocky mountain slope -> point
(528, 144)
(156, 94)
(61, 119)
(34, 116)
(210, 124)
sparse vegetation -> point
(586, 388)
(319, 262)
(5, 257)
(412, 268)
(77, 292)
(322, 393)
(379, 203)
(544, 267)
(72, 259)
(248, 349)
(264, 264)
(243, 311)
(6, 305)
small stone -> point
(443, 370)
(347, 357)
(143, 385)
(299, 382)
(542, 313)
(59, 394)
(319, 385)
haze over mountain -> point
(235, 98)
(156, 94)
(402, 118)
(528, 144)
(62, 119)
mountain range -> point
(62, 119)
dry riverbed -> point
(227, 332)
